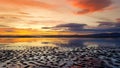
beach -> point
(61, 57)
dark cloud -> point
(108, 27)
(70, 27)
(46, 27)
(101, 28)
(106, 24)
(89, 6)
(73, 25)
(109, 24)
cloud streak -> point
(109, 25)
(70, 27)
(29, 3)
(90, 6)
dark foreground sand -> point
(61, 57)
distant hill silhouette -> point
(101, 35)
(105, 35)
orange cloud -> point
(89, 6)
(31, 3)
(118, 19)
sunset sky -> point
(53, 16)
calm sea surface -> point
(59, 42)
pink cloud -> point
(90, 6)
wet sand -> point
(61, 57)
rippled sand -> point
(60, 57)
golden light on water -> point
(17, 40)
(25, 43)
